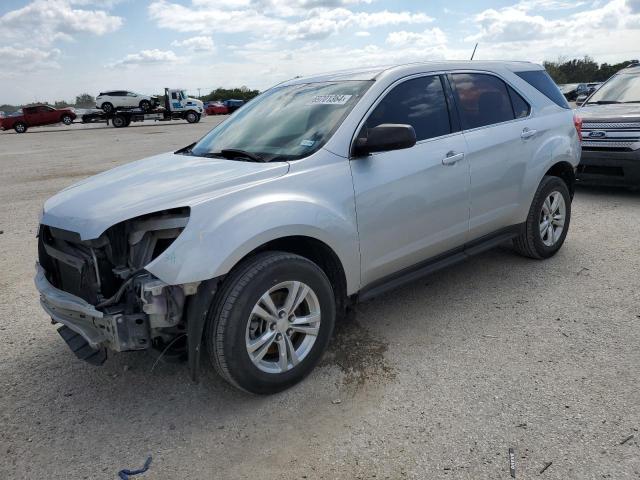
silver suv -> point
(319, 193)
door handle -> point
(527, 133)
(452, 158)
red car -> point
(217, 108)
(35, 116)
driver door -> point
(412, 204)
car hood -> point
(157, 183)
(611, 113)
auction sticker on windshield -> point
(330, 99)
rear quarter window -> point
(541, 81)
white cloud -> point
(362, 33)
(433, 36)
(45, 21)
(15, 60)
(207, 16)
(196, 44)
(148, 57)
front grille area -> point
(611, 126)
(74, 266)
(619, 137)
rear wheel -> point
(271, 322)
(107, 107)
(20, 127)
(548, 221)
(67, 120)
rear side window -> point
(521, 108)
(541, 81)
(482, 99)
(419, 102)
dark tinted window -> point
(482, 99)
(521, 108)
(541, 81)
(420, 103)
(174, 96)
(30, 110)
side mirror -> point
(385, 137)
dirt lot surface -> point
(434, 381)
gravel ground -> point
(434, 381)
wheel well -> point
(565, 171)
(319, 253)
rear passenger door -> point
(412, 204)
(500, 144)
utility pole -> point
(199, 96)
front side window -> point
(621, 88)
(285, 123)
(419, 102)
(482, 99)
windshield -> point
(621, 88)
(285, 123)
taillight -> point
(577, 122)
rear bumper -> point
(609, 168)
(114, 331)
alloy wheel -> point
(283, 326)
(552, 218)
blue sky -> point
(75, 46)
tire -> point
(107, 107)
(232, 324)
(192, 117)
(20, 127)
(119, 121)
(66, 119)
(539, 242)
(145, 105)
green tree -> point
(84, 100)
(582, 70)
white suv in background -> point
(108, 101)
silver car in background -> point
(319, 193)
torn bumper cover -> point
(114, 330)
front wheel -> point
(193, 117)
(67, 120)
(547, 224)
(271, 322)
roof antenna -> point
(474, 51)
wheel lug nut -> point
(289, 332)
(279, 336)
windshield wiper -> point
(604, 102)
(232, 153)
(185, 150)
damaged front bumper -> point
(110, 329)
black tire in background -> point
(230, 314)
(119, 121)
(530, 242)
(20, 127)
(192, 117)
